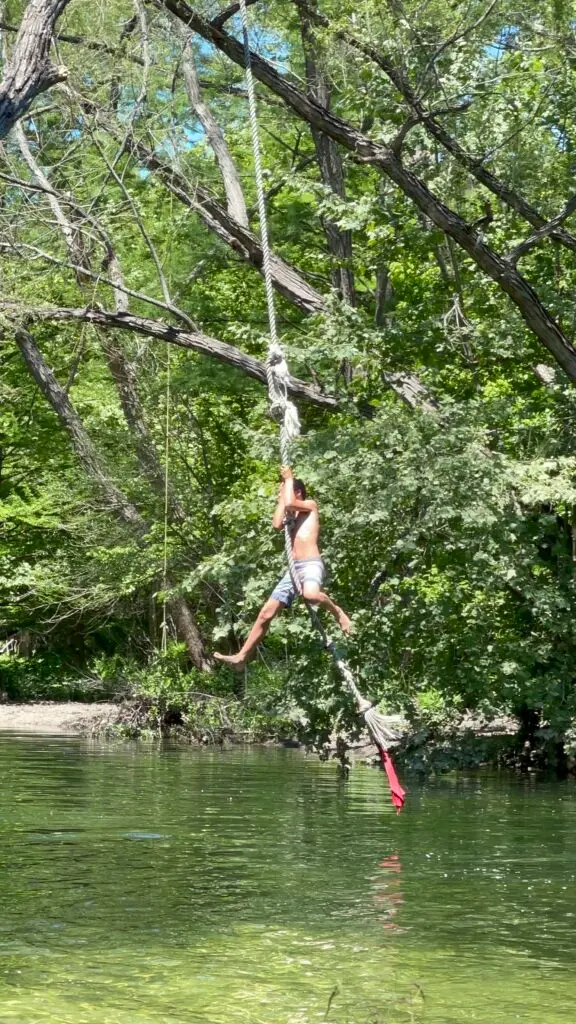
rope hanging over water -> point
(284, 412)
(164, 623)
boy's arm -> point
(293, 504)
(288, 486)
(280, 510)
(301, 506)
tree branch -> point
(82, 270)
(93, 465)
(410, 390)
(457, 36)
(416, 119)
(121, 368)
(544, 232)
(508, 279)
(194, 341)
(60, 402)
(169, 304)
(235, 200)
(287, 280)
(473, 164)
(88, 44)
(220, 20)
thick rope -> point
(164, 624)
(277, 373)
(286, 415)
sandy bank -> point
(57, 719)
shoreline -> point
(79, 718)
(467, 744)
(53, 718)
(472, 741)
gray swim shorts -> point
(309, 570)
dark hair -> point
(299, 485)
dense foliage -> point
(448, 519)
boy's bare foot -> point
(237, 661)
(344, 622)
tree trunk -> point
(83, 446)
(383, 295)
(122, 370)
(235, 201)
(187, 629)
(125, 378)
(330, 164)
(118, 502)
(29, 71)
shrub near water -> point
(165, 695)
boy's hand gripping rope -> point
(284, 412)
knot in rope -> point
(291, 420)
(282, 410)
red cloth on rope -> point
(398, 794)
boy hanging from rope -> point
(302, 514)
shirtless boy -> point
(292, 501)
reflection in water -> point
(250, 886)
(388, 892)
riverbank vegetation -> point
(419, 164)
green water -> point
(139, 885)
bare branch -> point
(82, 215)
(456, 37)
(88, 44)
(141, 15)
(195, 342)
(220, 20)
(149, 243)
(99, 278)
(71, 237)
(235, 200)
(544, 232)
(32, 186)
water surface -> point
(140, 885)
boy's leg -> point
(267, 612)
(312, 593)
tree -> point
(419, 175)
